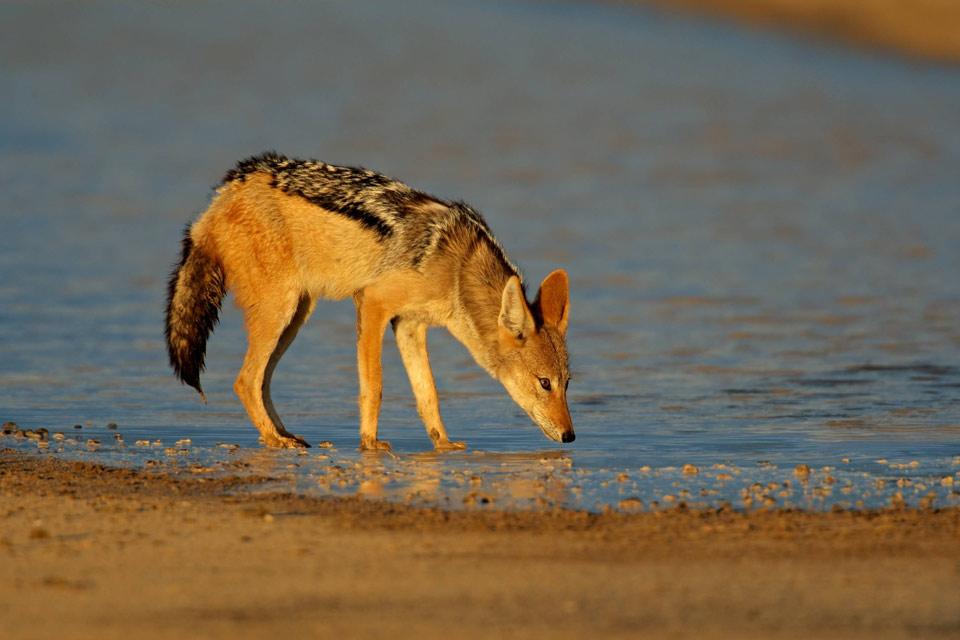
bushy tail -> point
(196, 288)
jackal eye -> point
(545, 383)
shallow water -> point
(762, 237)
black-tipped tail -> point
(196, 288)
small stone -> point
(801, 471)
(623, 477)
(39, 533)
(184, 442)
(92, 444)
(143, 443)
(9, 427)
(58, 436)
(78, 426)
(631, 504)
(112, 425)
(326, 444)
(946, 481)
(690, 470)
(228, 446)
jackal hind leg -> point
(412, 343)
(371, 322)
(271, 327)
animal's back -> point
(327, 230)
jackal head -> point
(532, 346)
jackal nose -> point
(568, 436)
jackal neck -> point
(481, 279)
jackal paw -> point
(447, 445)
(375, 445)
(285, 441)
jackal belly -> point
(334, 255)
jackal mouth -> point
(548, 426)
(548, 429)
(551, 433)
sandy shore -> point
(91, 551)
(927, 29)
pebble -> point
(690, 470)
(801, 471)
(78, 426)
(143, 443)
(9, 427)
(58, 436)
(631, 504)
(228, 446)
(476, 498)
(39, 533)
(326, 444)
(184, 442)
(112, 425)
(946, 481)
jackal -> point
(282, 233)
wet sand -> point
(103, 552)
(925, 29)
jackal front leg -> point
(412, 342)
(371, 321)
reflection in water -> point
(760, 279)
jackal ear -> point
(553, 300)
(515, 317)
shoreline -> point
(106, 552)
(923, 30)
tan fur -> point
(281, 253)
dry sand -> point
(88, 551)
(928, 29)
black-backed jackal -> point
(283, 233)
